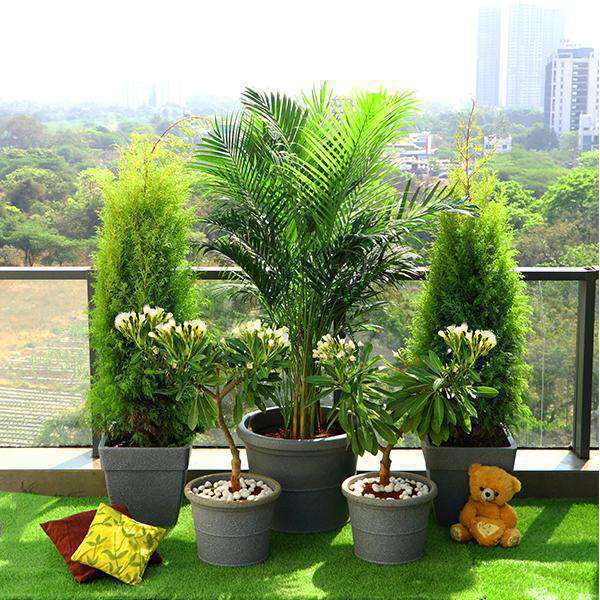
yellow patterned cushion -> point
(118, 545)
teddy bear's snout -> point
(487, 494)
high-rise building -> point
(138, 94)
(534, 33)
(488, 56)
(571, 93)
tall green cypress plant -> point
(141, 260)
(472, 279)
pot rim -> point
(390, 504)
(102, 444)
(303, 445)
(237, 505)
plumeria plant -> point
(377, 402)
(184, 363)
(432, 397)
(352, 375)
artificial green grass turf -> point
(558, 558)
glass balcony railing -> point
(45, 355)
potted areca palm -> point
(232, 514)
(305, 207)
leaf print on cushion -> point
(118, 545)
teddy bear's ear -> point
(473, 468)
(516, 484)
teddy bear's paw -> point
(511, 538)
(459, 533)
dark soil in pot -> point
(478, 438)
(310, 473)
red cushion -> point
(68, 533)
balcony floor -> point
(557, 558)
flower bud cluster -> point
(274, 339)
(479, 342)
(159, 325)
(336, 349)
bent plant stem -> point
(172, 126)
(236, 463)
(385, 464)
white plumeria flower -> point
(197, 327)
(124, 320)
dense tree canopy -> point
(574, 195)
(533, 170)
(537, 138)
(22, 131)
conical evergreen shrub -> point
(141, 260)
(472, 279)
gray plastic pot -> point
(149, 481)
(389, 532)
(310, 473)
(448, 466)
(232, 534)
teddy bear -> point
(486, 516)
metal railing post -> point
(582, 413)
(92, 352)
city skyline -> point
(76, 53)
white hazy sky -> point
(73, 50)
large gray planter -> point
(310, 473)
(149, 481)
(232, 534)
(448, 466)
(389, 532)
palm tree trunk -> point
(296, 415)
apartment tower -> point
(571, 93)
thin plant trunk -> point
(385, 465)
(236, 463)
(296, 415)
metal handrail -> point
(586, 276)
(222, 272)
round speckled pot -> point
(310, 472)
(389, 532)
(232, 534)
(149, 481)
